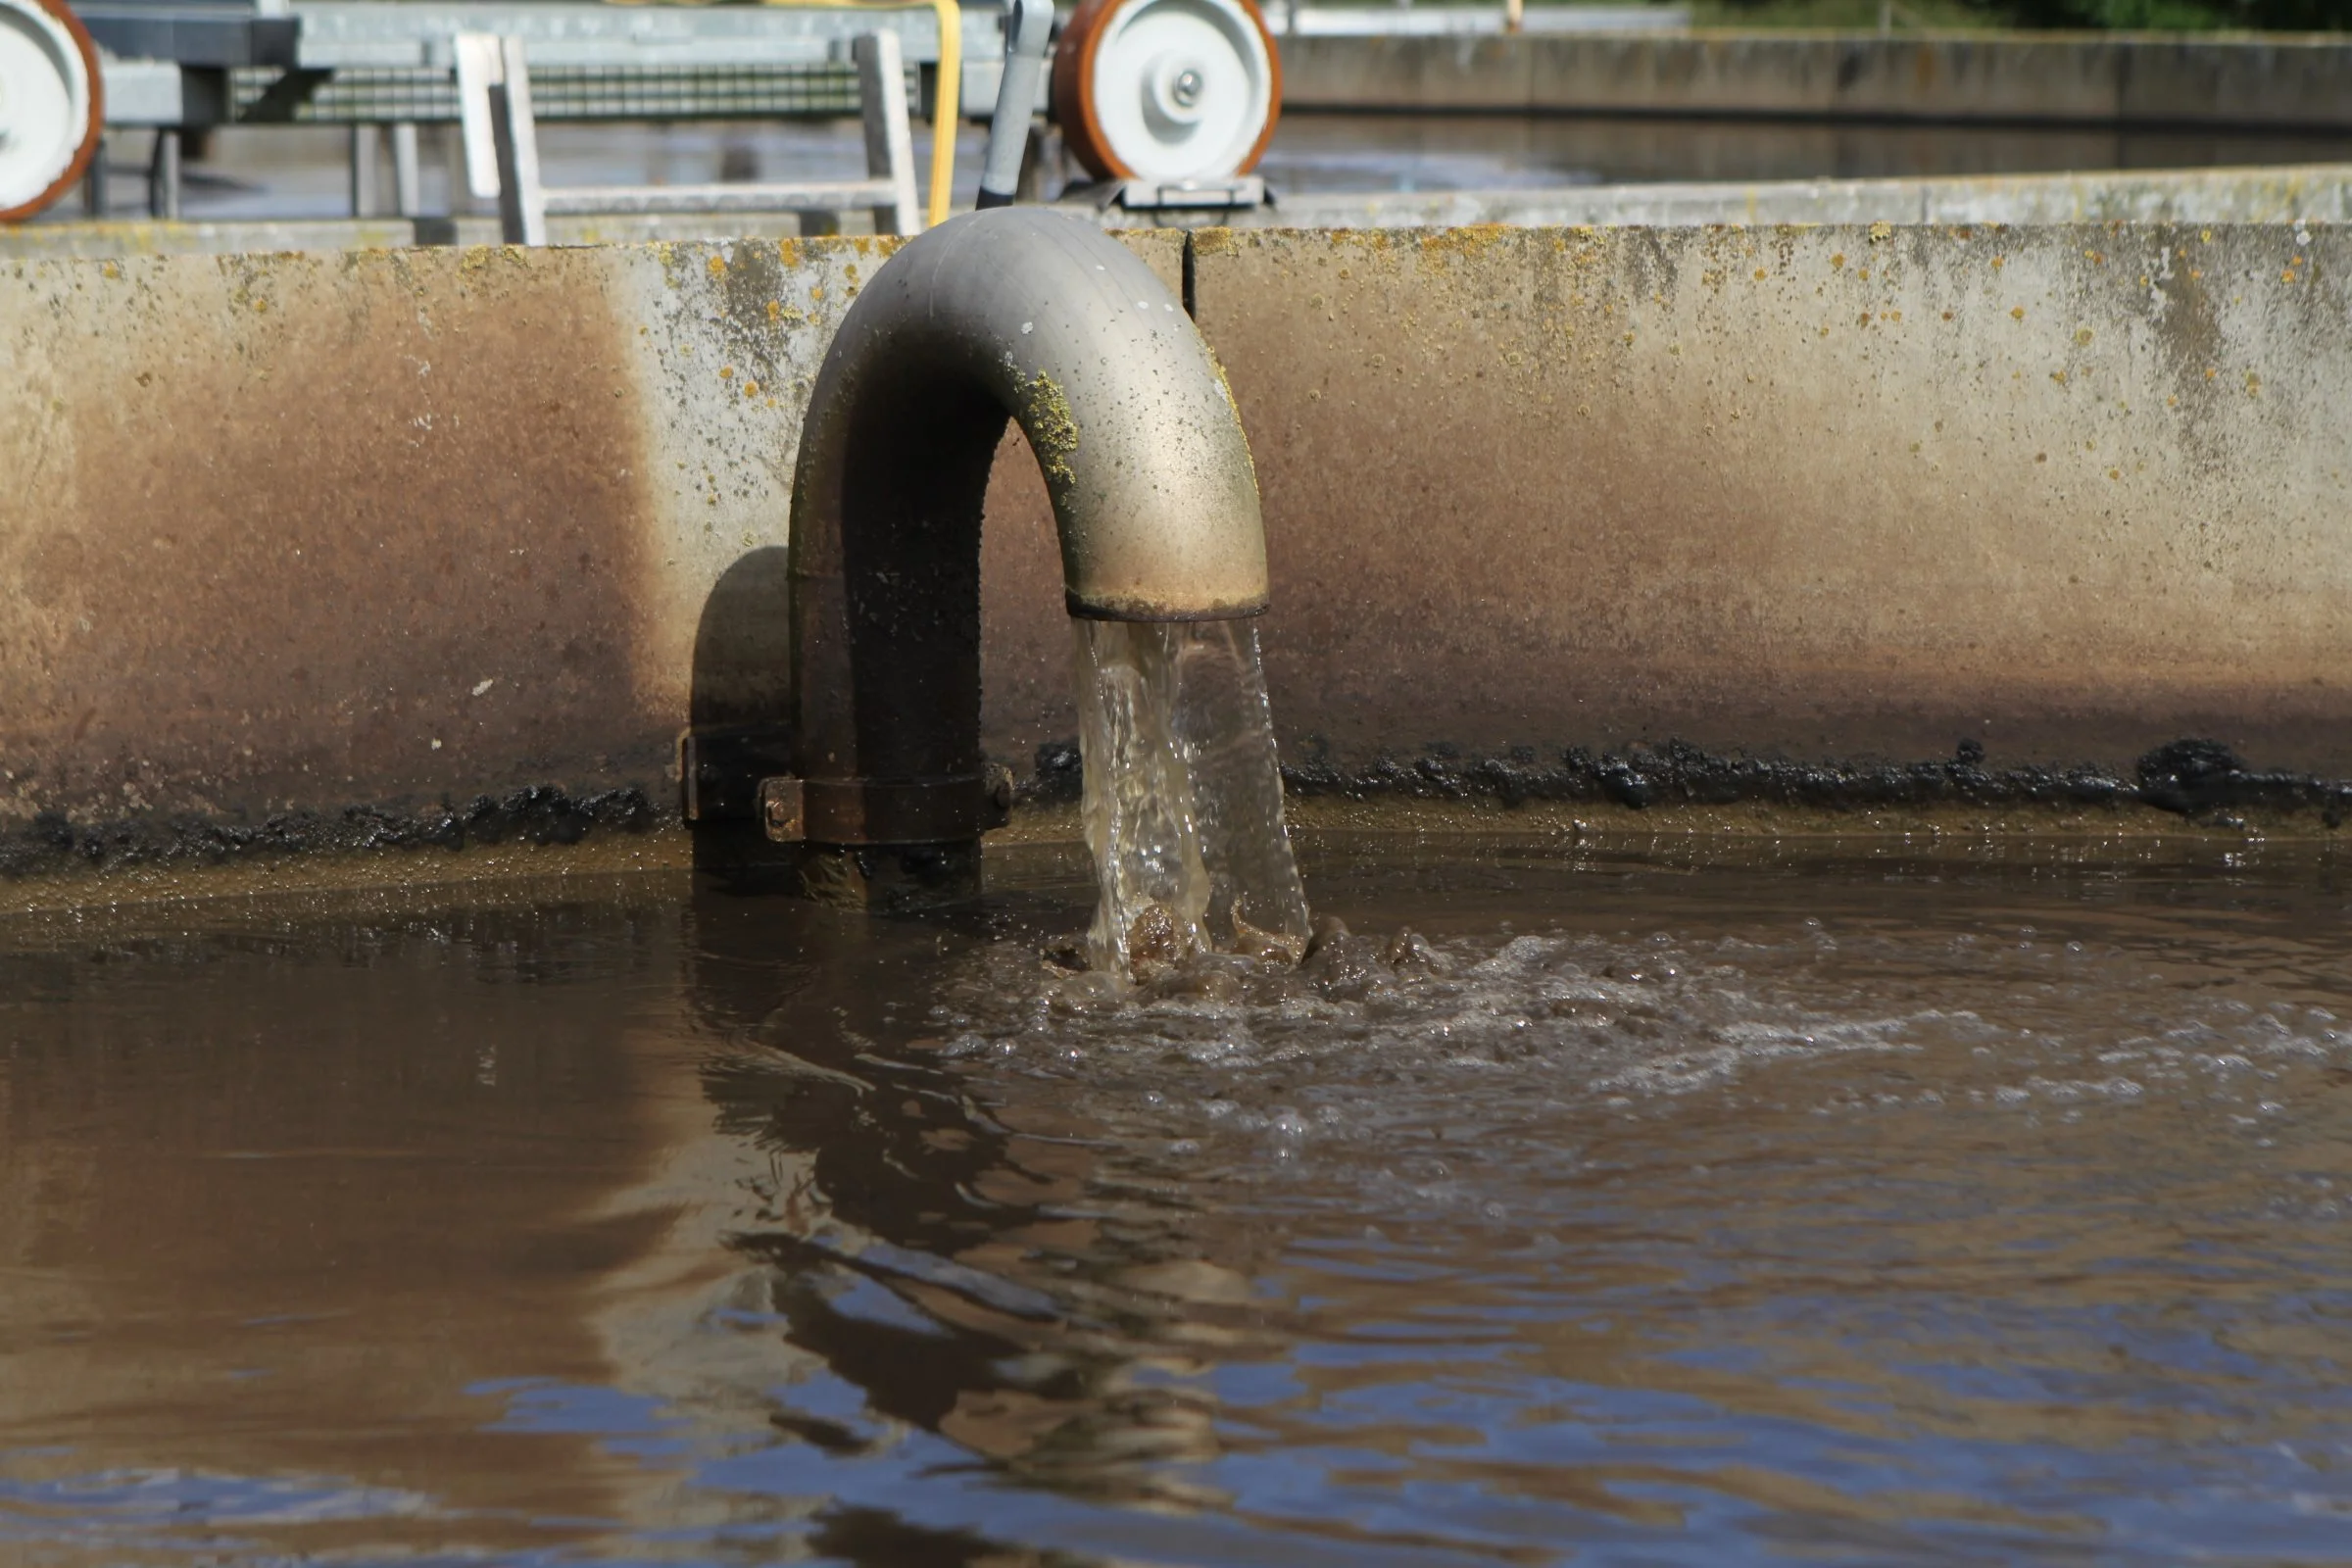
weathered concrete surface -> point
(385, 527)
(447, 546)
(2067, 493)
(2149, 79)
(458, 537)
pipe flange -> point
(854, 812)
(1167, 89)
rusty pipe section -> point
(1012, 314)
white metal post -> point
(163, 175)
(480, 67)
(362, 170)
(96, 199)
(521, 203)
(889, 139)
(407, 182)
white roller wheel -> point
(1167, 89)
(51, 117)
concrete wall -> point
(2067, 491)
(411, 531)
(321, 530)
(2303, 83)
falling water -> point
(1183, 798)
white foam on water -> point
(1511, 1032)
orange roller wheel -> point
(1167, 89)
(51, 108)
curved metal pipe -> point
(1018, 314)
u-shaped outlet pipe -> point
(1017, 314)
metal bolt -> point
(782, 804)
(1187, 91)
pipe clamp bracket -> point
(883, 811)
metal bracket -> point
(720, 767)
(783, 810)
(880, 812)
(1183, 195)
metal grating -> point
(745, 92)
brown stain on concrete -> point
(306, 516)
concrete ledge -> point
(2321, 193)
(2283, 82)
(2315, 194)
(381, 548)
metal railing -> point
(501, 151)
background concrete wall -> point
(411, 532)
(2287, 81)
(2067, 491)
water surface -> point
(1653, 1208)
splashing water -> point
(1183, 800)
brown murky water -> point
(1674, 1207)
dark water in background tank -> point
(1479, 152)
(1640, 1209)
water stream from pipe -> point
(1183, 804)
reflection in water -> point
(1892, 1210)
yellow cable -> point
(947, 104)
(945, 100)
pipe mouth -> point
(1143, 610)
